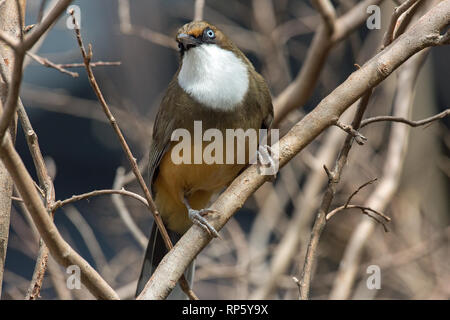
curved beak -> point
(187, 40)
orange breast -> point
(198, 182)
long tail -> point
(156, 250)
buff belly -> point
(197, 182)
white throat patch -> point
(213, 76)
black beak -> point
(187, 41)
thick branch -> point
(423, 34)
(59, 248)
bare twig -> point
(398, 11)
(60, 203)
(411, 123)
(46, 185)
(363, 209)
(93, 64)
(56, 244)
(47, 63)
(357, 190)
(359, 138)
(389, 180)
(63, 66)
(20, 49)
(132, 160)
(59, 248)
(333, 180)
(299, 90)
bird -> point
(219, 86)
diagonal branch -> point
(424, 33)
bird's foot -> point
(198, 217)
(266, 161)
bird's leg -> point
(197, 217)
(265, 159)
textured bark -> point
(8, 23)
(425, 33)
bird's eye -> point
(210, 34)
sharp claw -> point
(267, 150)
(196, 217)
(205, 212)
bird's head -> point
(212, 69)
(197, 33)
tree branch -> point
(131, 159)
(411, 123)
(423, 34)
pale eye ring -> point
(210, 33)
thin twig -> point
(359, 138)
(63, 66)
(20, 49)
(48, 193)
(398, 11)
(93, 64)
(47, 63)
(60, 203)
(333, 180)
(359, 189)
(411, 123)
(87, 56)
(362, 208)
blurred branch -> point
(389, 181)
(129, 29)
(90, 240)
(136, 127)
(333, 179)
(326, 10)
(199, 8)
(299, 91)
(12, 161)
(124, 214)
(423, 34)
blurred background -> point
(264, 245)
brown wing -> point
(264, 101)
(165, 124)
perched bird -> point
(217, 85)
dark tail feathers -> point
(156, 250)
